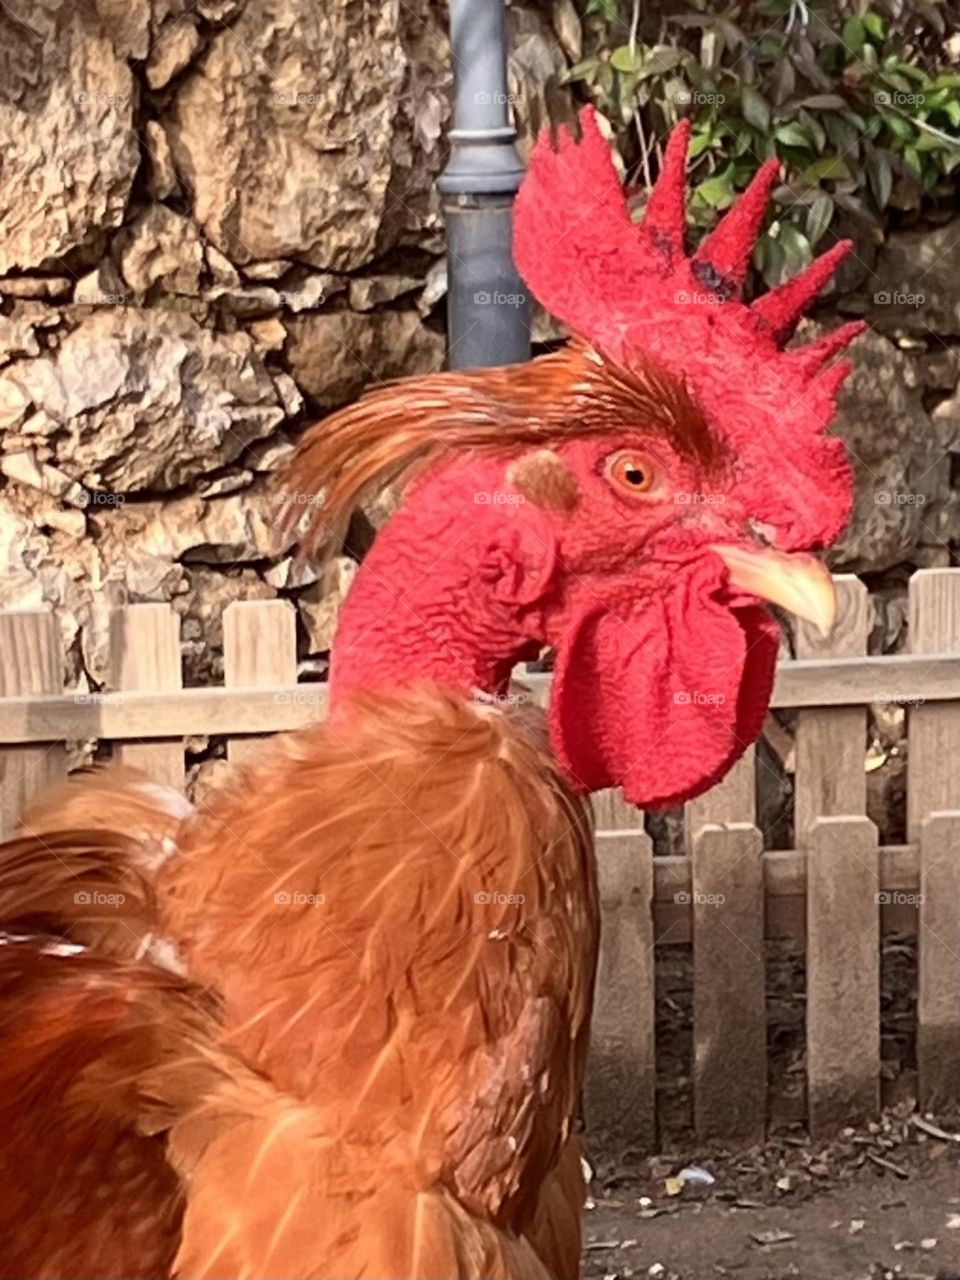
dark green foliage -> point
(862, 106)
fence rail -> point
(836, 893)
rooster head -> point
(635, 501)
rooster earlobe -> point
(521, 559)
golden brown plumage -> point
(393, 918)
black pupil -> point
(635, 475)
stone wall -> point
(217, 221)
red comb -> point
(631, 288)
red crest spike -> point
(809, 360)
(782, 307)
(726, 251)
(665, 217)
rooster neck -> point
(421, 612)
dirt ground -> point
(878, 1203)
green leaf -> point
(717, 192)
(842, 135)
(819, 217)
(626, 59)
(823, 102)
(791, 135)
(874, 25)
(784, 81)
(899, 127)
(912, 157)
(879, 175)
(662, 59)
(827, 168)
(929, 142)
(854, 34)
(797, 251)
(580, 71)
(699, 144)
(756, 109)
(814, 129)
(768, 258)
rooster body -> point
(335, 1024)
(392, 1093)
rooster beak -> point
(796, 582)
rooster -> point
(335, 1024)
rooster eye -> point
(630, 472)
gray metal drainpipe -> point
(488, 310)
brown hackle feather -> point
(111, 798)
(392, 432)
(81, 886)
(80, 867)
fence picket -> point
(729, 1002)
(30, 662)
(843, 972)
(733, 799)
(831, 742)
(938, 1001)
(259, 650)
(933, 729)
(145, 654)
(621, 1085)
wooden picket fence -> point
(726, 894)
